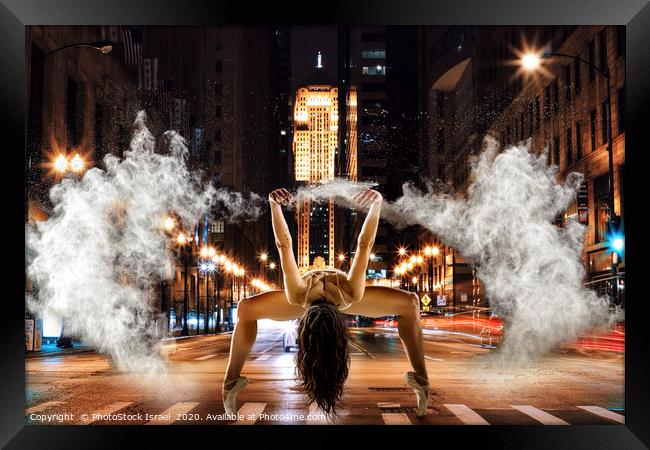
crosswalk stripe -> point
(109, 409)
(602, 412)
(42, 407)
(263, 358)
(466, 415)
(168, 416)
(204, 357)
(316, 416)
(395, 419)
(539, 415)
(250, 413)
(388, 405)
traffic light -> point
(616, 239)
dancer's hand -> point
(367, 198)
(280, 197)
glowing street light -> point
(372, 257)
(341, 257)
(272, 266)
(169, 224)
(530, 61)
(401, 251)
(77, 163)
(181, 239)
(427, 251)
(435, 251)
(264, 257)
(61, 164)
(419, 259)
(204, 252)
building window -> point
(374, 70)
(537, 113)
(569, 147)
(98, 139)
(579, 140)
(373, 37)
(217, 226)
(440, 140)
(603, 122)
(592, 125)
(547, 103)
(373, 87)
(602, 44)
(218, 89)
(373, 54)
(440, 103)
(567, 83)
(620, 40)
(556, 150)
(576, 76)
(556, 96)
(601, 208)
(74, 112)
(592, 59)
(620, 110)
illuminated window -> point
(373, 54)
(374, 70)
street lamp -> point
(532, 61)
(183, 241)
(103, 47)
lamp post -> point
(183, 243)
(532, 61)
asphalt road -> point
(569, 387)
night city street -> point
(186, 185)
(557, 391)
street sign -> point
(425, 300)
(442, 300)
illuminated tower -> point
(315, 140)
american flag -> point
(132, 46)
(165, 94)
(149, 74)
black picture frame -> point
(635, 14)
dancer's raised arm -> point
(283, 241)
(357, 274)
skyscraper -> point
(315, 141)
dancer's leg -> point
(268, 305)
(381, 301)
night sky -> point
(306, 42)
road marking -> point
(42, 407)
(602, 412)
(178, 408)
(263, 358)
(396, 419)
(433, 359)
(110, 409)
(539, 415)
(388, 405)
(316, 416)
(358, 347)
(275, 343)
(466, 415)
(250, 413)
(204, 357)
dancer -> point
(317, 298)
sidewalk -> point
(53, 350)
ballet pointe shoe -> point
(421, 393)
(229, 394)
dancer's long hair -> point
(323, 361)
